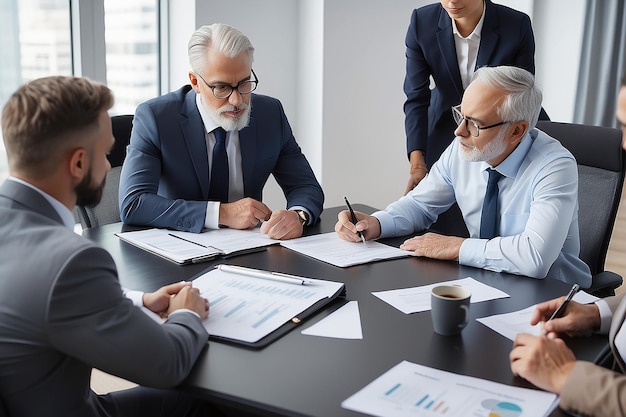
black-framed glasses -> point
(472, 127)
(223, 91)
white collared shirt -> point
(467, 50)
(235, 170)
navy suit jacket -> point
(165, 176)
(506, 39)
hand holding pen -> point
(559, 311)
(567, 317)
(355, 220)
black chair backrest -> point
(601, 167)
(107, 211)
(122, 126)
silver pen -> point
(257, 273)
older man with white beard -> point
(532, 229)
(199, 157)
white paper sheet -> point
(412, 390)
(330, 248)
(416, 299)
(510, 324)
(344, 323)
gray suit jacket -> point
(595, 391)
(62, 313)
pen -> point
(354, 219)
(561, 308)
(187, 240)
(257, 273)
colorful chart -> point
(502, 408)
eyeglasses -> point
(472, 127)
(223, 91)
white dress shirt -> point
(538, 202)
(467, 49)
(235, 170)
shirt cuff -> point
(472, 252)
(184, 310)
(212, 218)
(135, 296)
(605, 316)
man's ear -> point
(78, 164)
(519, 130)
(193, 79)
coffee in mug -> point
(449, 309)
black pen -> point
(569, 297)
(187, 240)
(354, 219)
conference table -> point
(303, 375)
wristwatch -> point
(304, 217)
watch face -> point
(303, 216)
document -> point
(345, 323)
(185, 247)
(412, 390)
(416, 299)
(330, 248)
(245, 308)
(510, 324)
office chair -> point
(108, 211)
(601, 167)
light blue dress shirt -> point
(538, 202)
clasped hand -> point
(176, 296)
(248, 212)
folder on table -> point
(185, 247)
(249, 310)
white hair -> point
(523, 98)
(228, 40)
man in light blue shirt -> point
(537, 232)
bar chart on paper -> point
(414, 390)
(246, 308)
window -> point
(132, 52)
(36, 42)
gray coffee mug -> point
(449, 309)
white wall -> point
(338, 68)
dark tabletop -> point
(308, 375)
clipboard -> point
(185, 248)
(338, 298)
(332, 292)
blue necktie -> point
(218, 188)
(490, 218)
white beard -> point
(491, 150)
(228, 123)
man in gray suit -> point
(62, 310)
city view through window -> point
(36, 42)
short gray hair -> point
(523, 98)
(228, 40)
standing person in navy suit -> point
(167, 178)
(448, 41)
